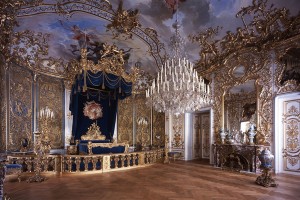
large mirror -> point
(240, 109)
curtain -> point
(103, 88)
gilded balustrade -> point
(87, 163)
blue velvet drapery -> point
(104, 89)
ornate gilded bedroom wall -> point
(125, 121)
(50, 95)
(135, 123)
(20, 107)
(2, 107)
(158, 128)
(177, 137)
(142, 121)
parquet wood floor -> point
(179, 180)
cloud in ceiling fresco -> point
(194, 16)
(62, 36)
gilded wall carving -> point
(282, 58)
(178, 131)
(51, 96)
(2, 108)
(255, 68)
(20, 108)
(265, 103)
(142, 121)
(291, 122)
(125, 120)
(158, 128)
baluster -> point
(134, 157)
(116, 159)
(77, 162)
(122, 158)
(86, 163)
(70, 162)
(152, 157)
(94, 161)
(129, 159)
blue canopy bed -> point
(96, 90)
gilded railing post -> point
(58, 164)
(116, 160)
(141, 158)
(122, 158)
(105, 163)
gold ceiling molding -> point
(8, 10)
(268, 28)
(123, 22)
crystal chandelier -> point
(178, 88)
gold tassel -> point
(84, 80)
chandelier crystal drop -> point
(178, 87)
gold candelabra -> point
(46, 120)
(38, 150)
(42, 143)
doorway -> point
(201, 142)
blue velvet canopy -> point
(103, 88)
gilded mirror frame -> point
(255, 63)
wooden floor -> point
(176, 181)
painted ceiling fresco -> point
(193, 15)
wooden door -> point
(291, 135)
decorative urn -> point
(222, 134)
(251, 134)
(266, 158)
